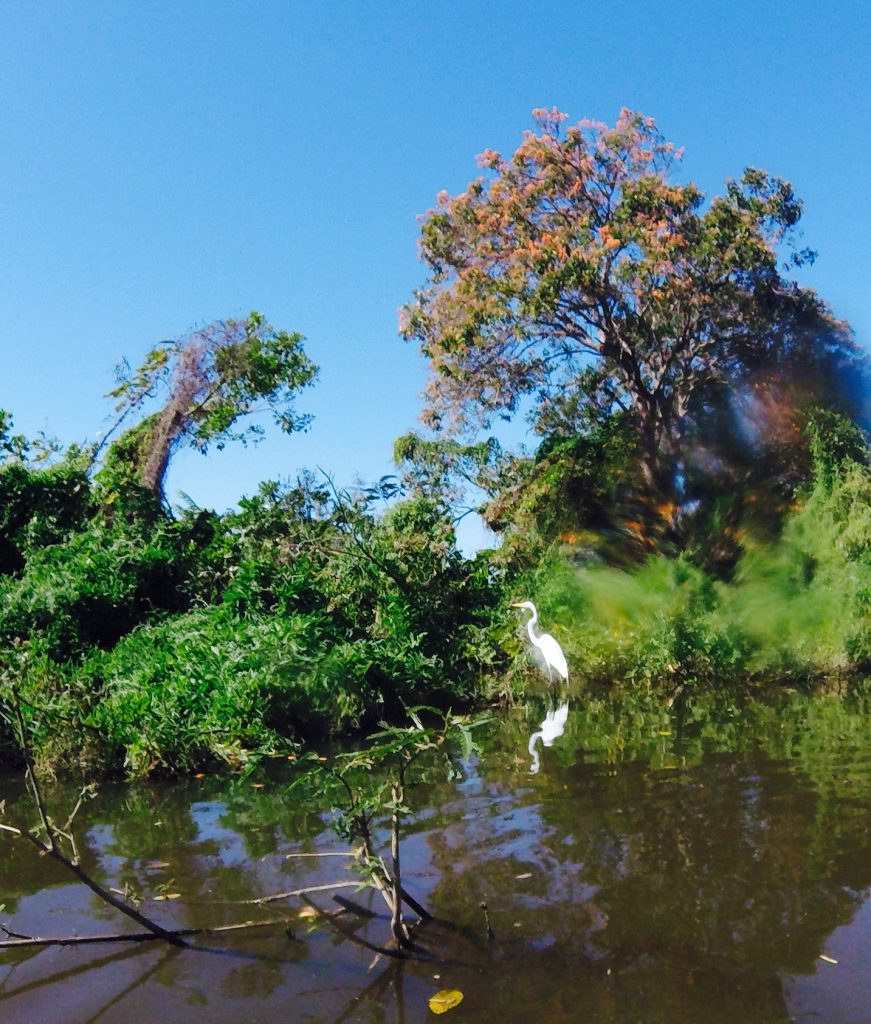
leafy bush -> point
(39, 508)
(90, 589)
(796, 609)
(651, 626)
(169, 641)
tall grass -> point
(797, 609)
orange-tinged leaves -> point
(520, 262)
(608, 240)
(445, 1000)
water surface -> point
(652, 869)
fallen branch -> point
(149, 936)
(347, 933)
(51, 846)
(157, 930)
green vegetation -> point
(795, 610)
(697, 514)
(159, 642)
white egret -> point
(551, 652)
(551, 728)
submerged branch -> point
(349, 934)
(20, 941)
(51, 846)
(275, 897)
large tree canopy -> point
(578, 271)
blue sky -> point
(166, 164)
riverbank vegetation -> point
(696, 513)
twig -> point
(397, 925)
(279, 895)
(354, 908)
(87, 791)
(328, 853)
(377, 871)
(30, 773)
(490, 934)
(396, 954)
(420, 910)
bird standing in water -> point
(551, 652)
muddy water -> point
(650, 870)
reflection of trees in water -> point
(206, 839)
(672, 894)
(211, 840)
(706, 880)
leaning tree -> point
(204, 384)
(580, 273)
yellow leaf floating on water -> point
(307, 912)
(169, 896)
(445, 1000)
(828, 959)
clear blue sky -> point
(166, 164)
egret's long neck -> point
(530, 625)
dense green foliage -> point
(795, 610)
(151, 640)
(696, 515)
(160, 641)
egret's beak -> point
(516, 604)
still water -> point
(651, 869)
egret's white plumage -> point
(551, 652)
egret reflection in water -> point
(551, 729)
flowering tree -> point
(578, 272)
